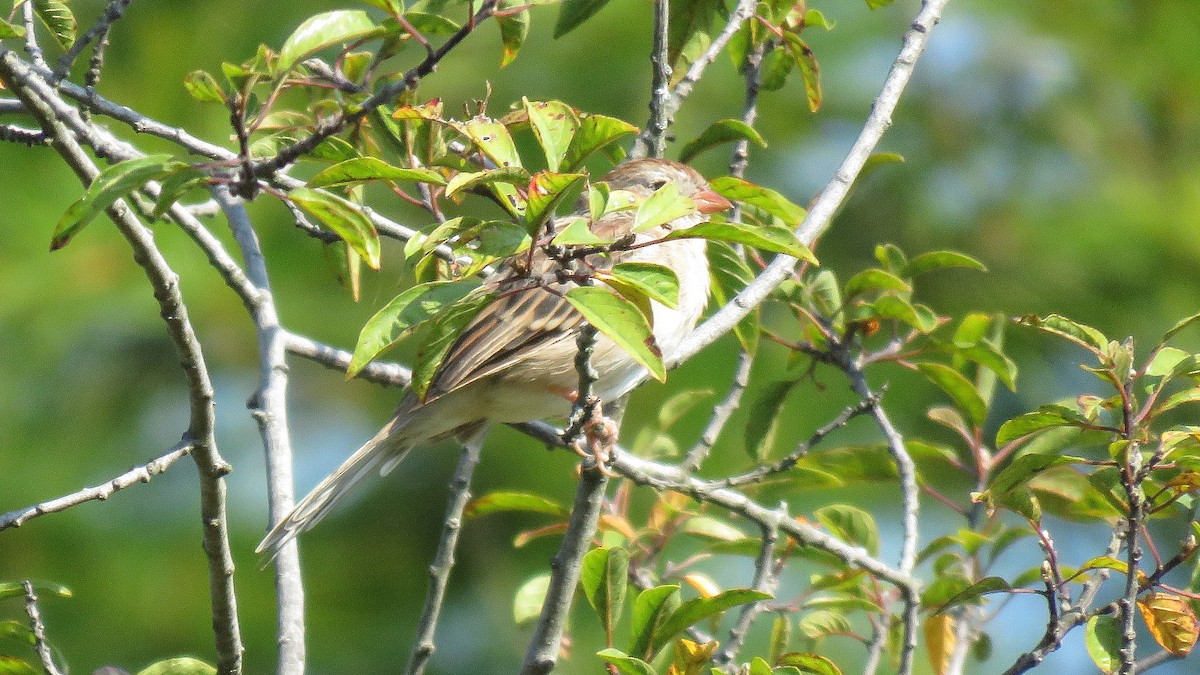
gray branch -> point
(542, 654)
(101, 492)
(63, 123)
(443, 559)
(40, 645)
(820, 215)
(268, 406)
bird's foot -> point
(598, 440)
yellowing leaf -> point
(1171, 621)
(940, 641)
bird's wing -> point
(527, 318)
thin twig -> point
(765, 580)
(63, 123)
(682, 89)
(542, 654)
(721, 414)
(31, 44)
(786, 463)
(654, 139)
(910, 497)
(10, 133)
(40, 645)
(101, 492)
(268, 406)
(381, 372)
(112, 14)
(386, 94)
(820, 215)
(443, 559)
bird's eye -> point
(658, 184)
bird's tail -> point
(381, 453)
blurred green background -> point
(1057, 142)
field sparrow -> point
(515, 362)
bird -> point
(515, 361)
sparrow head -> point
(644, 176)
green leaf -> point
(59, 19)
(8, 30)
(809, 663)
(940, 260)
(777, 64)
(112, 184)
(651, 609)
(686, 21)
(546, 191)
(972, 593)
(344, 218)
(1164, 361)
(876, 4)
(175, 185)
(823, 622)
(781, 634)
(362, 169)
(876, 160)
(874, 279)
(1179, 398)
(810, 71)
(1183, 323)
(321, 31)
(815, 19)
(390, 6)
(721, 131)
(769, 200)
(528, 600)
(572, 13)
(666, 204)
(439, 335)
(10, 665)
(514, 28)
(512, 175)
(1107, 563)
(16, 589)
(764, 413)
(989, 356)
(622, 322)
(1081, 334)
(431, 24)
(729, 274)
(764, 238)
(850, 524)
(554, 124)
(203, 87)
(179, 666)
(15, 630)
(604, 578)
(494, 140)
(594, 133)
(578, 233)
(960, 389)
(1045, 417)
(1103, 639)
(656, 282)
(500, 502)
(414, 306)
(625, 664)
(1021, 470)
(698, 609)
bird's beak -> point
(708, 201)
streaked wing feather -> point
(504, 333)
